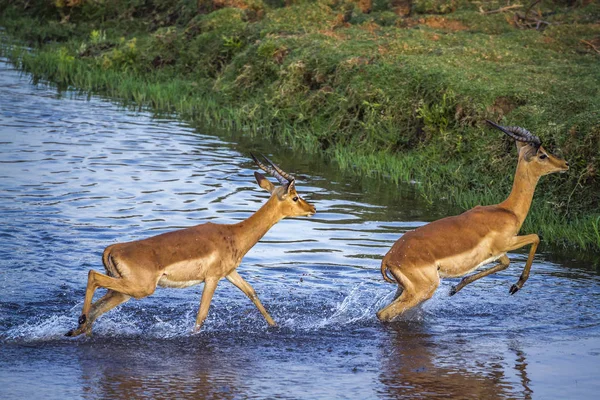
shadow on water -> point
(78, 174)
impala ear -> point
(264, 182)
(527, 150)
(290, 186)
(287, 189)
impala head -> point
(291, 204)
(531, 151)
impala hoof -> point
(78, 331)
(514, 289)
(382, 317)
(82, 319)
(453, 291)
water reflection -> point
(420, 365)
(137, 370)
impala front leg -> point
(521, 241)
(502, 265)
(245, 287)
(207, 294)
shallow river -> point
(78, 174)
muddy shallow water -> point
(78, 174)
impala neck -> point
(251, 230)
(521, 194)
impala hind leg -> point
(411, 296)
(403, 303)
(502, 265)
(245, 287)
(87, 302)
(138, 288)
(109, 301)
(398, 292)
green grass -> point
(401, 98)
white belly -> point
(185, 273)
(456, 272)
(164, 281)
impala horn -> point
(283, 177)
(519, 134)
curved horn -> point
(287, 176)
(518, 133)
(269, 170)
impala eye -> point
(543, 156)
(295, 198)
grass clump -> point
(400, 90)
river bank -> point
(80, 172)
(397, 97)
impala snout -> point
(306, 210)
(558, 165)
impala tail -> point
(384, 273)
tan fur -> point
(204, 253)
(455, 246)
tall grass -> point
(402, 99)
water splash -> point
(40, 329)
(358, 306)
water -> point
(78, 174)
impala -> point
(455, 246)
(203, 253)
